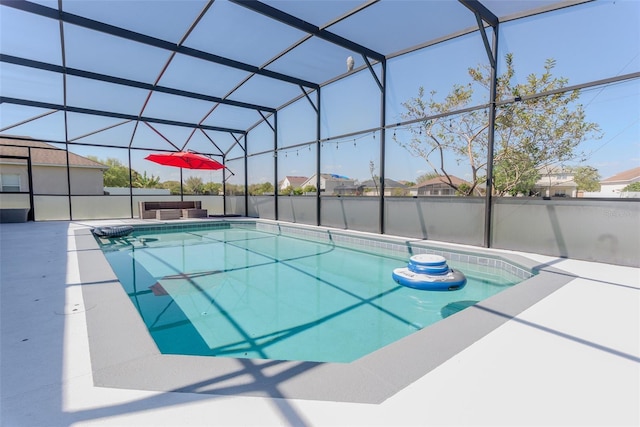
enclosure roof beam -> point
(59, 107)
(9, 59)
(91, 24)
(305, 26)
(484, 14)
(480, 10)
(304, 92)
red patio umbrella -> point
(185, 159)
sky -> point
(595, 41)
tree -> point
(426, 177)
(193, 185)
(515, 174)
(309, 189)
(261, 189)
(212, 188)
(286, 191)
(172, 186)
(529, 134)
(234, 190)
(634, 186)
(587, 178)
(399, 192)
(117, 175)
(372, 169)
(142, 181)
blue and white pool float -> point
(429, 272)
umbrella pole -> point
(181, 191)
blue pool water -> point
(240, 292)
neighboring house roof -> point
(388, 183)
(627, 176)
(49, 156)
(553, 170)
(327, 177)
(296, 181)
(555, 176)
(441, 180)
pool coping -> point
(123, 354)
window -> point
(10, 182)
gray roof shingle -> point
(44, 154)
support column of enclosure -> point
(483, 15)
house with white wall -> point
(329, 182)
(556, 181)
(293, 182)
(437, 186)
(391, 187)
(612, 186)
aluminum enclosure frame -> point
(485, 18)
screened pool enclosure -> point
(427, 119)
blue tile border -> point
(393, 246)
(399, 247)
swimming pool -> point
(264, 291)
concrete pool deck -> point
(573, 358)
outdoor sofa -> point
(171, 210)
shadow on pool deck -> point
(124, 355)
(48, 378)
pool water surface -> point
(247, 293)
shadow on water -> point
(456, 306)
(258, 344)
(251, 343)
